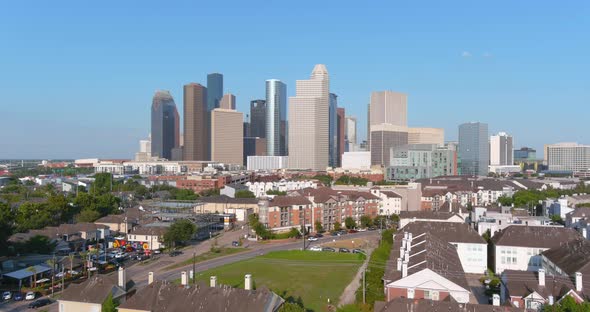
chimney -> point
(122, 278)
(407, 256)
(399, 264)
(404, 269)
(404, 243)
(409, 244)
(402, 251)
(406, 235)
(579, 282)
(409, 237)
(496, 300)
(150, 278)
(248, 282)
(585, 233)
(541, 277)
(191, 275)
(183, 279)
(551, 300)
(213, 281)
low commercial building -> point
(151, 237)
(267, 163)
(356, 160)
(420, 161)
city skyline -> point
(480, 72)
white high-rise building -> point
(501, 150)
(350, 134)
(145, 150)
(572, 157)
(309, 121)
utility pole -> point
(194, 272)
(303, 230)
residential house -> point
(426, 268)
(391, 202)
(471, 247)
(412, 305)
(90, 294)
(241, 207)
(520, 247)
(151, 237)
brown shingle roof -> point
(534, 236)
(571, 257)
(150, 230)
(391, 194)
(435, 215)
(95, 290)
(449, 232)
(224, 199)
(523, 283)
(423, 305)
(162, 296)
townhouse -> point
(391, 202)
(406, 217)
(520, 247)
(411, 305)
(425, 268)
(471, 247)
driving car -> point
(175, 253)
(30, 296)
(235, 244)
(6, 295)
(39, 303)
(312, 238)
(315, 248)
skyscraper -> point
(350, 134)
(165, 125)
(258, 118)
(568, 157)
(309, 122)
(227, 140)
(196, 123)
(385, 138)
(214, 90)
(333, 131)
(501, 153)
(426, 136)
(228, 101)
(341, 133)
(474, 148)
(276, 118)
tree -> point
(505, 201)
(109, 304)
(181, 231)
(487, 236)
(349, 223)
(102, 183)
(6, 226)
(275, 192)
(337, 226)
(38, 244)
(34, 277)
(318, 226)
(291, 307)
(88, 215)
(71, 258)
(244, 194)
(325, 179)
(366, 221)
(51, 263)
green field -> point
(311, 277)
(221, 252)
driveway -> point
(477, 289)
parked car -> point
(235, 244)
(175, 253)
(356, 250)
(352, 231)
(30, 296)
(362, 230)
(315, 248)
(319, 235)
(335, 233)
(343, 250)
(157, 251)
(39, 303)
(330, 249)
(141, 257)
(18, 296)
(312, 238)
(6, 295)
(342, 232)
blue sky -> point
(77, 77)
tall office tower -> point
(341, 133)
(258, 118)
(525, 154)
(165, 125)
(254, 146)
(145, 150)
(568, 157)
(214, 90)
(227, 136)
(388, 107)
(333, 131)
(309, 122)
(196, 123)
(384, 138)
(276, 118)
(228, 101)
(350, 134)
(426, 136)
(501, 151)
(474, 148)
(247, 128)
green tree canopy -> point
(244, 194)
(366, 221)
(349, 223)
(181, 231)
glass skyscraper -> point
(214, 90)
(165, 125)
(474, 148)
(276, 118)
(333, 130)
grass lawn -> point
(207, 256)
(310, 276)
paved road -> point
(139, 273)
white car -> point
(312, 238)
(6, 295)
(30, 296)
(119, 255)
(315, 248)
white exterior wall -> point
(356, 160)
(267, 162)
(152, 240)
(517, 258)
(406, 221)
(474, 257)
